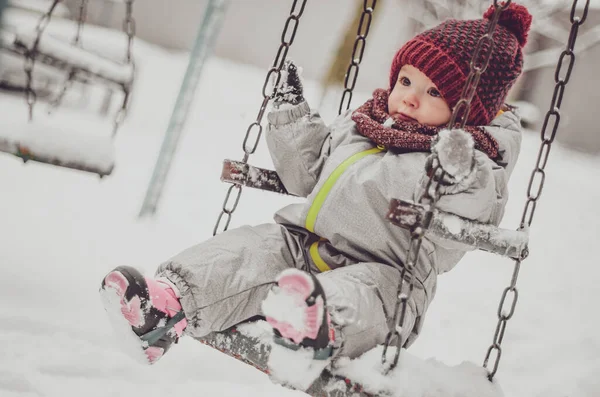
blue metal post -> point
(3, 4)
(203, 47)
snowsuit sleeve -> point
(299, 143)
(484, 197)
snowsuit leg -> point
(223, 280)
(361, 299)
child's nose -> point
(411, 99)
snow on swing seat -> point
(362, 376)
(415, 377)
(73, 56)
(40, 7)
(64, 139)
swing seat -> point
(46, 79)
(65, 142)
(39, 7)
(251, 344)
(63, 55)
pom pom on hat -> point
(515, 18)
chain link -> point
(357, 54)
(536, 182)
(81, 21)
(407, 273)
(478, 65)
(254, 131)
(83, 4)
(31, 53)
(129, 28)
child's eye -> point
(435, 93)
(404, 81)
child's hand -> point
(454, 151)
(290, 88)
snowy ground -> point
(62, 230)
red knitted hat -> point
(444, 53)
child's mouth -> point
(404, 117)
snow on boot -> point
(296, 309)
(145, 312)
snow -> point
(453, 224)
(453, 231)
(593, 4)
(63, 230)
(12, 61)
(61, 10)
(413, 375)
(455, 152)
(260, 330)
(66, 136)
(286, 308)
(296, 368)
(80, 59)
(126, 339)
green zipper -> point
(313, 212)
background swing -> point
(426, 219)
(71, 148)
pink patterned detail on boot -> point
(165, 299)
(298, 321)
(131, 310)
(331, 329)
(295, 283)
(154, 353)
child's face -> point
(415, 97)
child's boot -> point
(303, 340)
(148, 307)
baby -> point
(325, 273)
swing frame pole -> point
(3, 4)
(203, 47)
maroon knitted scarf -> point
(408, 136)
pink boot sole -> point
(287, 310)
(125, 314)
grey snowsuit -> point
(348, 183)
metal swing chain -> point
(30, 94)
(274, 74)
(478, 65)
(561, 80)
(81, 21)
(357, 54)
(129, 28)
(407, 272)
(83, 4)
